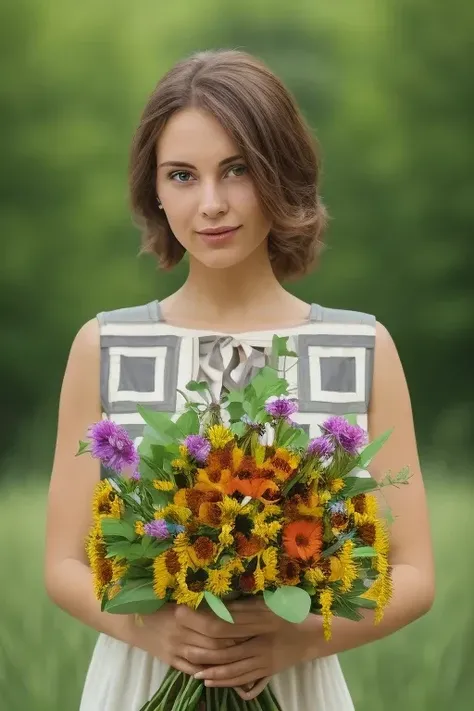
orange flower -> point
(256, 488)
(303, 539)
(248, 547)
(283, 463)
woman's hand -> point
(268, 645)
(167, 635)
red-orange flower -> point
(256, 488)
(303, 539)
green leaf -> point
(344, 608)
(291, 603)
(161, 498)
(152, 548)
(351, 418)
(238, 428)
(83, 447)
(367, 454)
(197, 386)
(188, 422)
(358, 485)
(235, 410)
(364, 552)
(136, 596)
(335, 546)
(117, 527)
(164, 429)
(124, 549)
(364, 602)
(217, 606)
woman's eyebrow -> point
(183, 164)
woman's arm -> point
(411, 550)
(67, 574)
(276, 644)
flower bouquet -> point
(233, 499)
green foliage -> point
(290, 603)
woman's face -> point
(203, 184)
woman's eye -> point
(183, 175)
(240, 169)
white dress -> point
(338, 345)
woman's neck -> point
(246, 296)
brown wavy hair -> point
(281, 154)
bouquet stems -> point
(180, 692)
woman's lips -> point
(218, 237)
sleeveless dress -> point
(145, 360)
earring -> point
(160, 206)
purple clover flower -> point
(350, 437)
(198, 447)
(321, 447)
(112, 444)
(281, 407)
(157, 528)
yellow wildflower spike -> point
(163, 485)
(326, 598)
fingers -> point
(236, 674)
(183, 665)
(194, 639)
(198, 655)
(257, 688)
(204, 623)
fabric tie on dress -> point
(227, 363)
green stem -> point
(223, 705)
(186, 693)
(172, 692)
(194, 699)
(162, 690)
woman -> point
(224, 168)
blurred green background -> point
(387, 86)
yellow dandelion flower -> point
(162, 578)
(371, 504)
(381, 543)
(178, 514)
(105, 502)
(183, 450)
(350, 508)
(259, 577)
(337, 485)
(267, 531)
(349, 567)
(219, 581)
(161, 485)
(179, 463)
(219, 436)
(183, 595)
(231, 508)
(225, 536)
(337, 569)
(119, 568)
(237, 456)
(234, 566)
(270, 510)
(314, 576)
(101, 567)
(313, 508)
(326, 598)
(325, 496)
(270, 560)
(381, 593)
(139, 528)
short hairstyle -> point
(262, 117)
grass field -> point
(425, 667)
